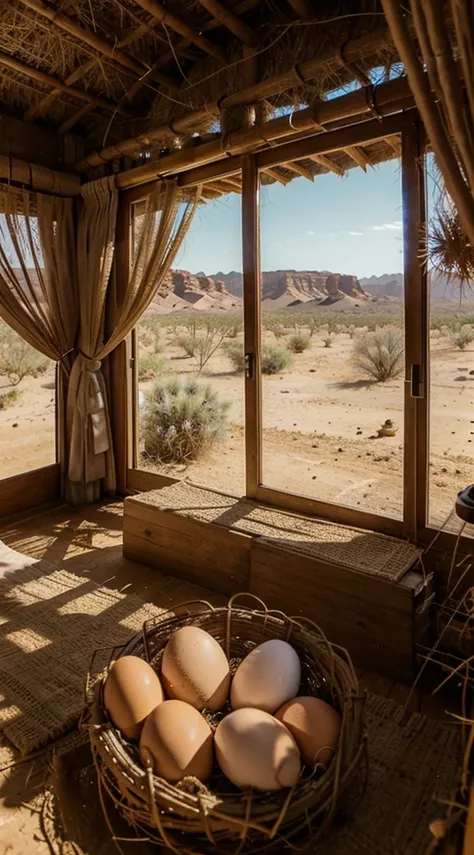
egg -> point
(132, 689)
(195, 669)
(267, 677)
(253, 749)
(177, 740)
(315, 727)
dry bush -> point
(152, 366)
(328, 340)
(17, 358)
(298, 342)
(7, 399)
(275, 358)
(463, 337)
(235, 352)
(180, 422)
(380, 354)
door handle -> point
(417, 385)
(250, 366)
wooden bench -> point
(359, 586)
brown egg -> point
(267, 677)
(195, 669)
(177, 740)
(315, 727)
(132, 690)
(253, 749)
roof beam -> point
(302, 8)
(327, 164)
(73, 120)
(272, 172)
(39, 109)
(232, 22)
(48, 80)
(71, 26)
(174, 22)
(358, 156)
(299, 169)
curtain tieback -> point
(87, 404)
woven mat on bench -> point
(412, 765)
(51, 622)
(367, 552)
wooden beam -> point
(48, 80)
(39, 177)
(174, 22)
(358, 156)
(32, 143)
(71, 26)
(73, 120)
(233, 23)
(324, 161)
(252, 324)
(302, 8)
(238, 9)
(277, 175)
(299, 169)
(254, 93)
(39, 109)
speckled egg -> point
(195, 669)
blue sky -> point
(346, 225)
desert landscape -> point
(322, 413)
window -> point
(190, 358)
(333, 338)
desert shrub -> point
(187, 343)
(180, 422)
(152, 366)
(150, 331)
(7, 399)
(275, 358)
(298, 342)
(463, 337)
(202, 342)
(235, 352)
(18, 359)
(328, 340)
(380, 354)
(234, 326)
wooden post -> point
(252, 323)
(120, 358)
(416, 335)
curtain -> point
(444, 94)
(38, 293)
(38, 284)
(158, 233)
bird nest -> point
(191, 817)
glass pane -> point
(333, 336)
(451, 347)
(27, 406)
(190, 358)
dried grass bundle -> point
(449, 250)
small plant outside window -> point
(182, 421)
(298, 342)
(380, 354)
(275, 358)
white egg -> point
(268, 677)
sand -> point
(319, 423)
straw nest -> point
(191, 817)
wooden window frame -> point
(414, 524)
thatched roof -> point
(125, 66)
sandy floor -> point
(319, 420)
(319, 423)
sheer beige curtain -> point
(159, 231)
(443, 44)
(38, 285)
